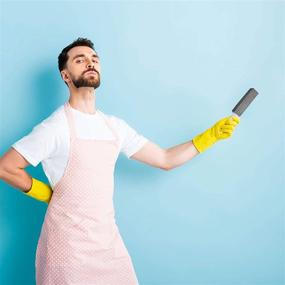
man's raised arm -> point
(172, 157)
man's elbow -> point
(6, 171)
(166, 168)
(166, 165)
(1, 174)
(2, 169)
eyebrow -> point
(80, 55)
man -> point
(78, 146)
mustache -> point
(90, 70)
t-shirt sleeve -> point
(131, 140)
(37, 145)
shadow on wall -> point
(48, 90)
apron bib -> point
(80, 243)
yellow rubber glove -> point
(40, 191)
(223, 129)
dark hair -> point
(63, 57)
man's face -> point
(82, 67)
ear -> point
(65, 76)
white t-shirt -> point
(49, 141)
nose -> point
(90, 64)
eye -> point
(77, 61)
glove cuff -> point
(203, 141)
(40, 191)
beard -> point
(87, 80)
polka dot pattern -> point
(80, 243)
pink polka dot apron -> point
(80, 243)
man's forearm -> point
(179, 154)
(17, 178)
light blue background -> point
(171, 70)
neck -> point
(83, 99)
